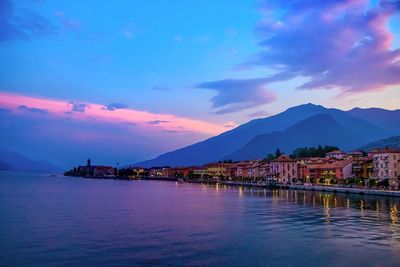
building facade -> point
(284, 169)
(336, 154)
(386, 165)
(330, 172)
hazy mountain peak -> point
(308, 124)
(19, 162)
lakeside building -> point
(217, 169)
(336, 168)
(264, 170)
(253, 169)
(241, 169)
(245, 169)
(178, 172)
(331, 171)
(336, 154)
(303, 167)
(95, 170)
(284, 169)
(356, 154)
(362, 167)
(231, 170)
(386, 165)
(200, 172)
(159, 171)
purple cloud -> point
(114, 106)
(78, 107)
(235, 95)
(22, 25)
(336, 44)
(156, 122)
(33, 110)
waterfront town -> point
(378, 169)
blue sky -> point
(121, 51)
(199, 66)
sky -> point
(123, 81)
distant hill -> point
(5, 167)
(393, 142)
(320, 129)
(388, 120)
(351, 123)
(19, 162)
(217, 147)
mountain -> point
(215, 148)
(22, 163)
(228, 143)
(393, 142)
(5, 167)
(388, 120)
(320, 129)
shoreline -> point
(345, 190)
(320, 188)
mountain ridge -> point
(227, 143)
(392, 142)
(20, 162)
(298, 135)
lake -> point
(70, 221)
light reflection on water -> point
(73, 221)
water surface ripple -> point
(60, 221)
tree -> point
(307, 152)
(383, 183)
(320, 151)
(278, 153)
(359, 181)
(372, 182)
(270, 156)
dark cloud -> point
(78, 107)
(114, 106)
(235, 95)
(33, 110)
(155, 122)
(333, 43)
(23, 24)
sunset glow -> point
(91, 111)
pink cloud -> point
(343, 44)
(93, 111)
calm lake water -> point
(60, 221)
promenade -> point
(333, 189)
(346, 190)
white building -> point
(386, 165)
(336, 154)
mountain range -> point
(393, 142)
(304, 125)
(10, 160)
